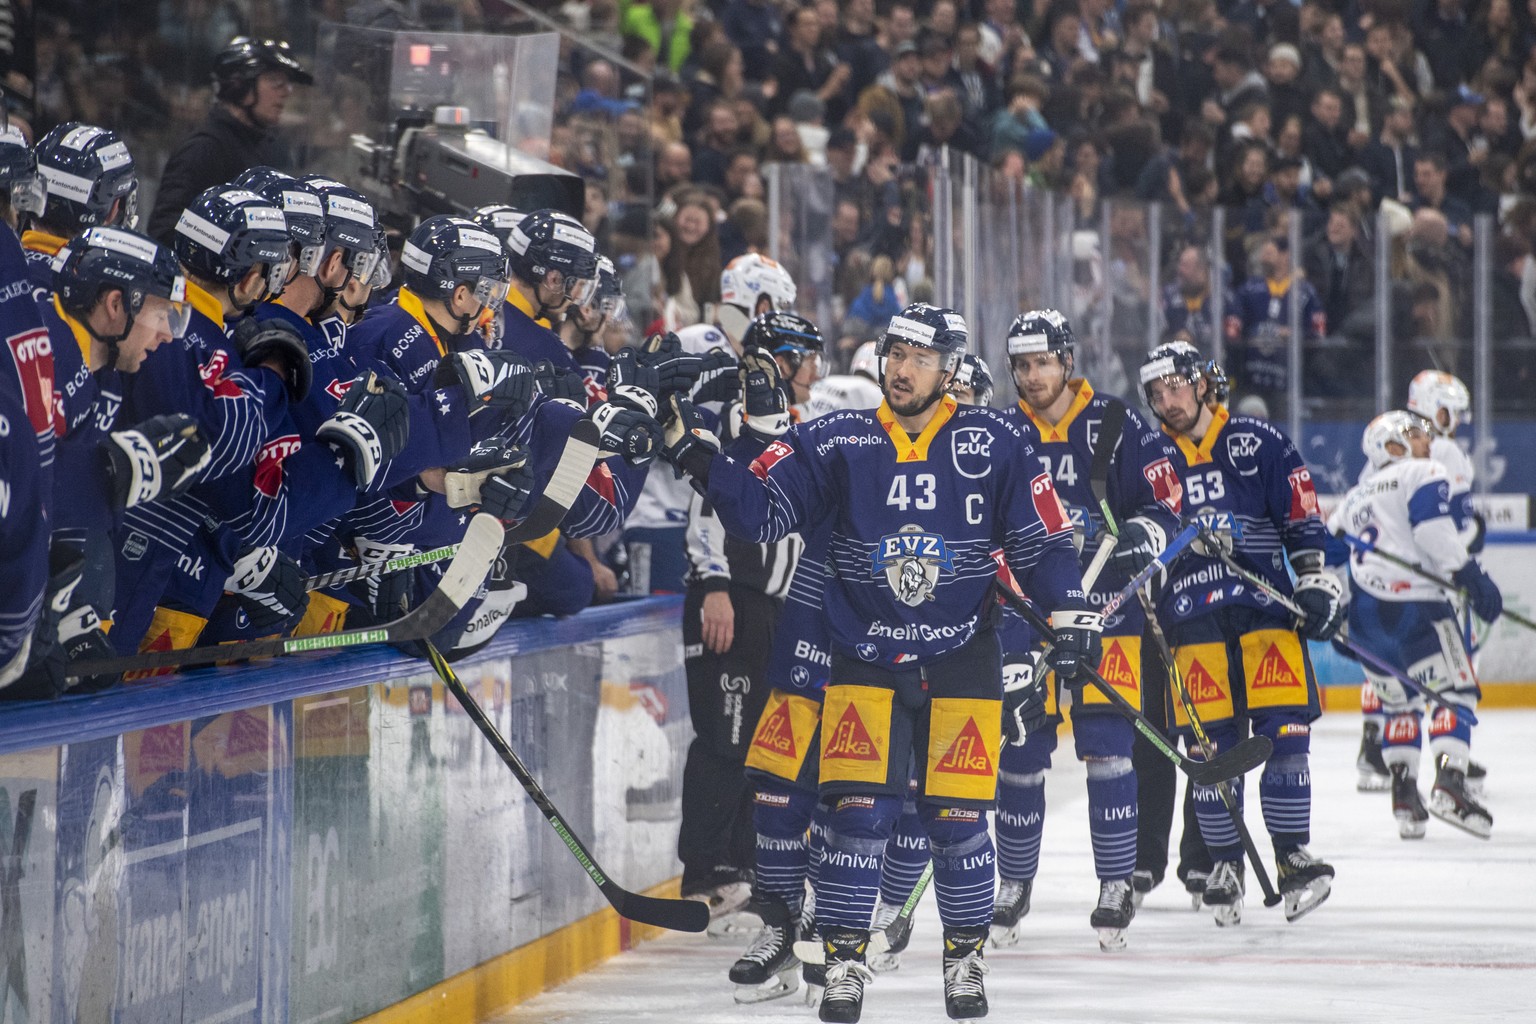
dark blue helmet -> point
(301, 209)
(548, 240)
(1177, 362)
(926, 326)
(1040, 330)
(102, 260)
(226, 231)
(18, 172)
(350, 221)
(788, 335)
(975, 375)
(237, 66)
(446, 251)
(89, 178)
(499, 220)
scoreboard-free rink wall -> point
(329, 838)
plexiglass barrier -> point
(316, 839)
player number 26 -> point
(1200, 488)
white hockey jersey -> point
(1459, 471)
(1403, 509)
(841, 391)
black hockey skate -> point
(1223, 892)
(724, 888)
(843, 1000)
(1194, 884)
(1010, 908)
(1477, 775)
(767, 969)
(898, 932)
(965, 994)
(1304, 881)
(1374, 776)
(1142, 882)
(1450, 802)
(1113, 914)
(1407, 805)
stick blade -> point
(1240, 760)
(675, 915)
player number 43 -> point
(1200, 488)
(925, 484)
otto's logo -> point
(850, 740)
(268, 477)
(338, 389)
(1166, 487)
(911, 561)
(971, 451)
(1303, 494)
(771, 455)
(212, 373)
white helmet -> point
(1433, 390)
(1393, 427)
(866, 362)
(743, 282)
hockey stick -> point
(809, 951)
(678, 915)
(565, 484)
(1175, 548)
(1207, 751)
(461, 581)
(1241, 759)
(1344, 639)
(1361, 544)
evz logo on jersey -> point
(770, 457)
(1303, 496)
(268, 477)
(1166, 487)
(971, 450)
(1048, 504)
(911, 560)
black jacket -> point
(216, 151)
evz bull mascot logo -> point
(911, 560)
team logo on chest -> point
(971, 450)
(911, 560)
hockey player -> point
(23, 537)
(1264, 304)
(918, 493)
(26, 359)
(88, 181)
(1188, 306)
(586, 326)
(1404, 507)
(1242, 658)
(1097, 450)
(856, 389)
(553, 259)
(1445, 404)
(973, 384)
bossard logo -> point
(967, 755)
(1202, 688)
(971, 451)
(1273, 670)
(1116, 667)
(775, 734)
(850, 740)
(911, 560)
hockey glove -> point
(385, 596)
(500, 380)
(1482, 593)
(37, 671)
(631, 384)
(156, 459)
(261, 341)
(497, 477)
(1078, 644)
(1024, 695)
(631, 434)
(1322, 603)
(1141, 541)
(763, 402)
(269, 587)
(718, 380)
(676, 371)
(1479, 533)
(82, 638)
(370, 426)
(561, 385)
(690, 445)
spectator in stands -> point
(1282, 75)
(936, 53)
(1430, 193)
(1264, 303)
(1187, 301)
(1044, 155)
(1494, 132)
(674, 166)
(1364, 104)
(946, 127)
(978, 83)
(753, 27)
(1389, 160)
(1016, 122)
(669, 98)
(1429, 254)
(1339, 265)
(1000, 31)
(882, 298)
(1497, 36)
(805, 64)
(716, 143)
(1063, 29)
(1163, 178)
(691, 266)
(1324, 137)
(664, 24)
(717, 76)
(900, 84)
(785, 146)
(1454, 136)
(857, 45)
(1237, 84)
(1100, 30)
(1268, 21)
(1510, 316)
(742, 180)
(1444, 33)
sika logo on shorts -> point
(964, 735)
(856, 734)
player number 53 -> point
(1200, 488)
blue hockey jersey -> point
(914, 522)
(24, 529)
(1264, 307)
(26, 362)
(1196, 315)
(1246, 467)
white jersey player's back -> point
(839, 392)
(1403, 509)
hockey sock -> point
(1020, 823)
(848, 884)
(1285, 791)
(821, 819)
(906, 854)
(964, 866)
(1112, 816)
(1401, 741)
(781, 817)
(1451, 735)
(1216, 826)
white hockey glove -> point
(156, 459)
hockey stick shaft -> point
(1224, 789)
(369, 570)
(1176, 546)
(1234, 762)
(678, 915)
(1364, 654)
(1361, 544)
(477, 554)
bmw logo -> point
(799, 675)
(1183, 605)
(868, 652)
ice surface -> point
(1439, 930)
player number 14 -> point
(925, 484)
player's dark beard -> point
(916, 406)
